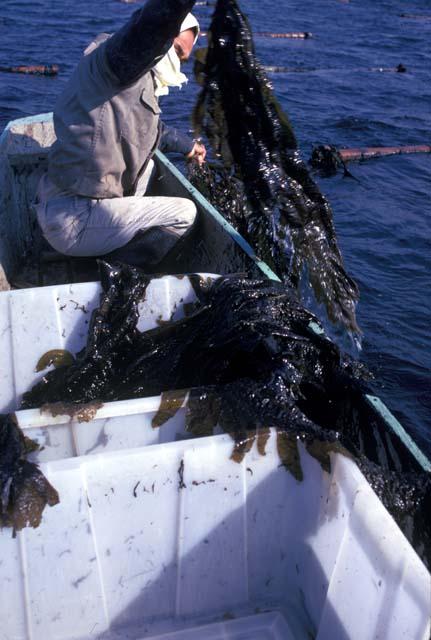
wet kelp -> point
(245, 350)
(247, 359)
(24, 490)
(286, 219)
(241, 331)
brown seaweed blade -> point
(203, 411)
(24, 490)
(248, 130)
(57, 357)
(170, 403)
(287, 447)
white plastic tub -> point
(179, 541)
(176, 540)
(35, 321)
(116, 425)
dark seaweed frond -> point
(284, 216)
(24, 490)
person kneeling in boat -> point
(92, 201)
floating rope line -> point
(329, 159)
(411, 16)
(39, 70)
(400, 68)
(377, 152)
(300, 35)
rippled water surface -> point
(383, 219)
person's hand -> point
(198, 153)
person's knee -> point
(187, 212)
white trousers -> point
(80, 226)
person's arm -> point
(145, 38)
(172, 140)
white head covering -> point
(167, 71)
(190, 22)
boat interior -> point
(27, 260)
(271, 556)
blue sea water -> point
(383, 219)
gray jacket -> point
(107, 118)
